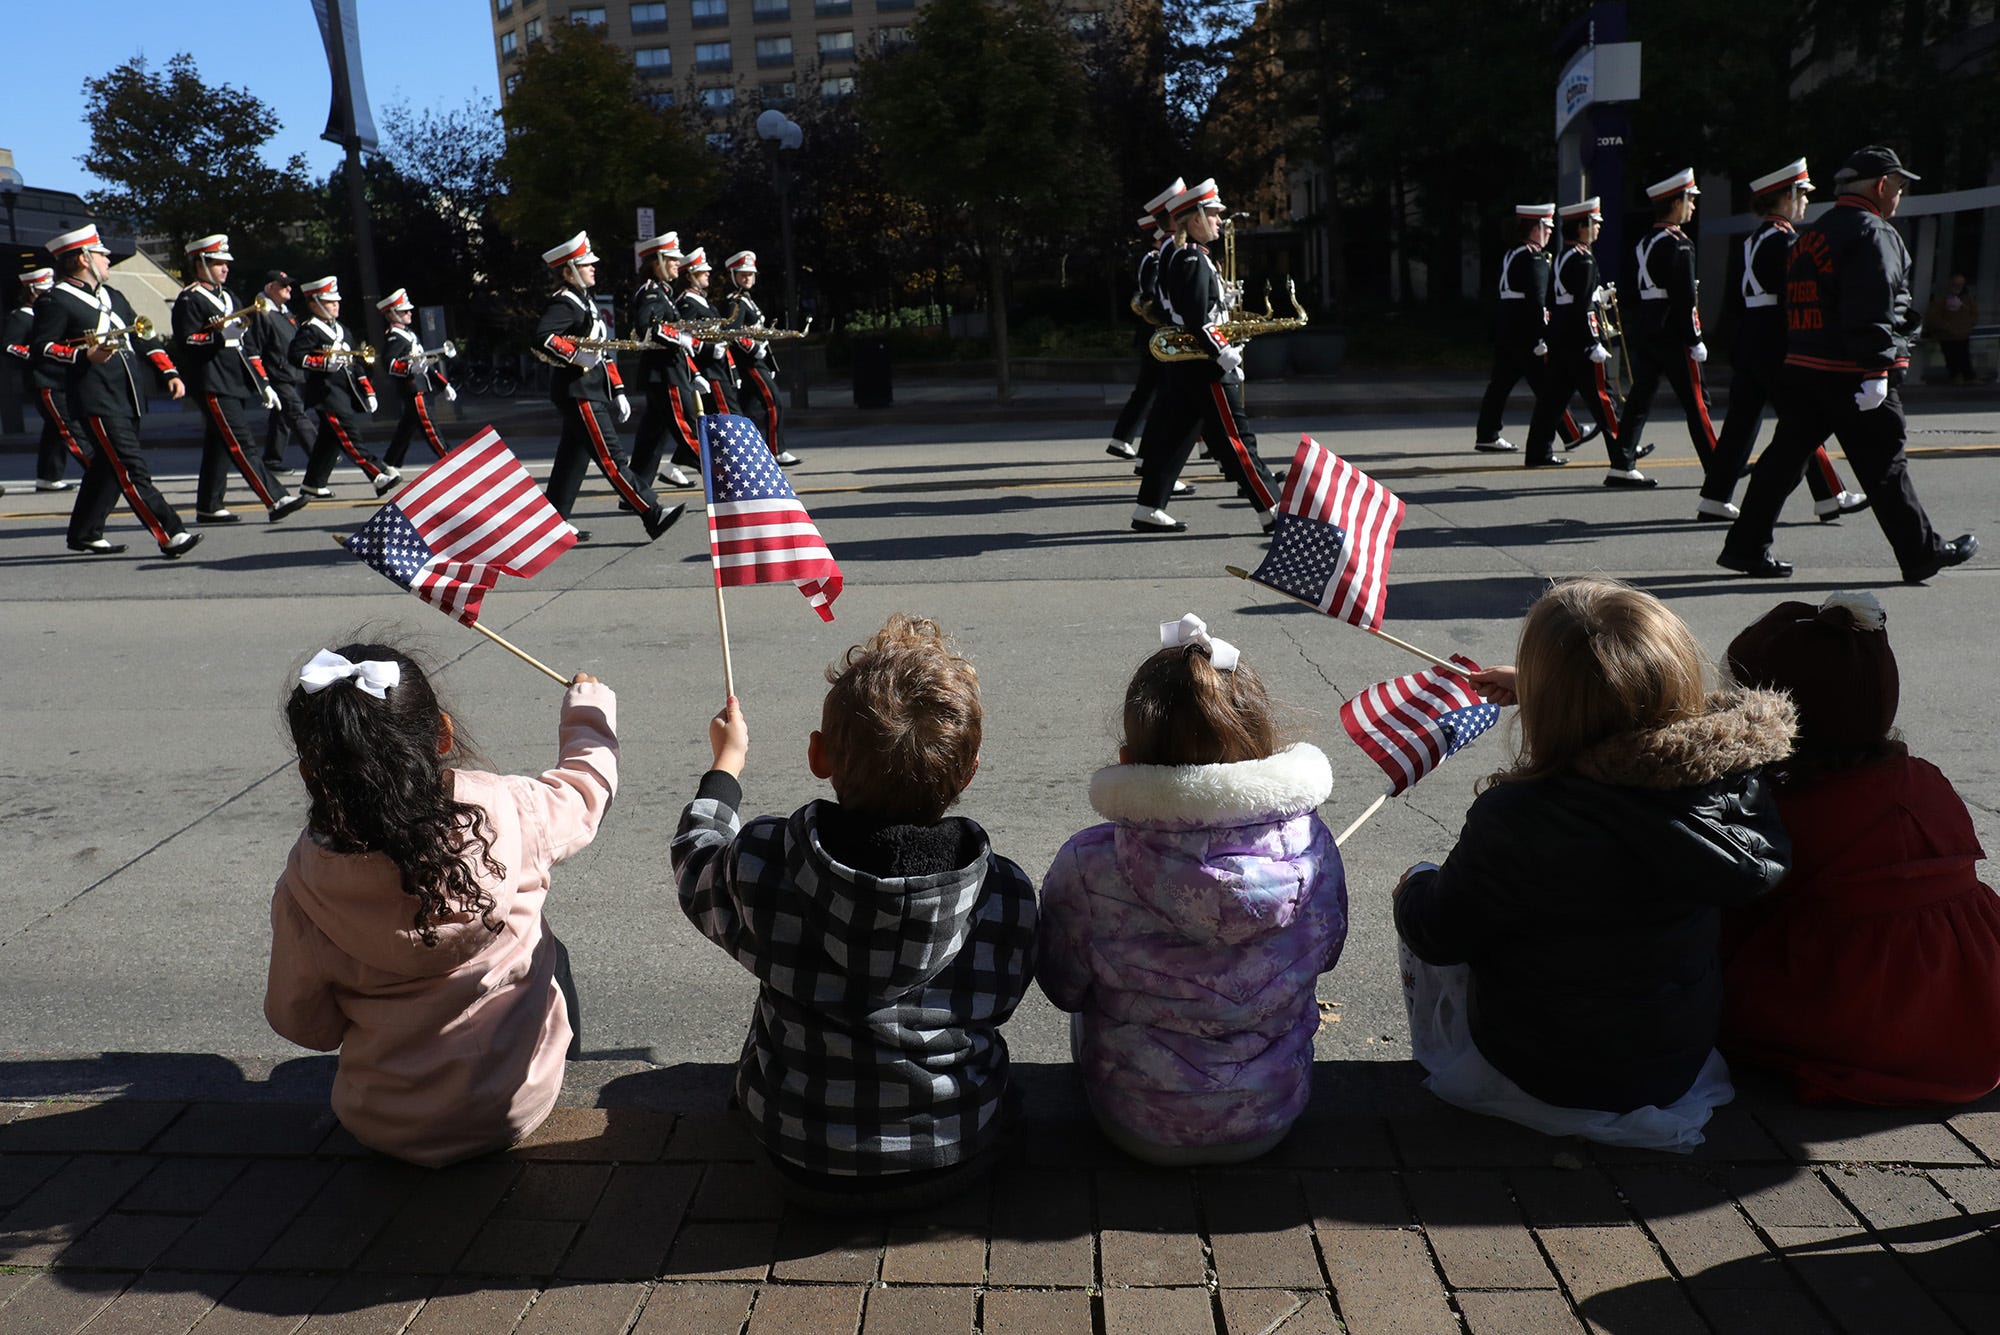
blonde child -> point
(1186, 934)
(407, 928)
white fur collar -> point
(1296, 779)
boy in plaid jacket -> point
(890, 941)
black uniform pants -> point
(226, 441)
(1653, 357)
(339, 433)
(118, 466)
(672, 412)
(57, 438)
(759, 399)
(416, 418)
(1752, 384)
(289, 421)
(1570, 373)
(1193, 402)
(1133, 415)
(1818, 404)
(1512, 365)
(719, 382)
(588, 433)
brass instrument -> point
(766, 334)
(1232, 286)
(1174, 344)
(342, 356)
(257, 307)
(1611, 332)
(448, 352)
(139, 328)
(616, 345)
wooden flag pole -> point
(1383, 635)
(520, 653)
(1373, 807)
(722, 621)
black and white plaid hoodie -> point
(875, 1047)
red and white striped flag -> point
(758, 533)
(1410, 725)
(473, 516)
(1335, 537)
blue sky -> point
(424, 52)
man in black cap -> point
(271, 335)
(1849, 323)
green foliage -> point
(182, 156)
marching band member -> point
(718, 379)
(673, 404)
(225, 374)
(271, 333)
(1664, 332)
(56, 435)
(756, 368)
(100, 381)
(1577, 351)
(1202, 397)
(1758, 301)
(415, 374)
(1146, 304)
(1521, 347)
(337, 390)
(583, 389)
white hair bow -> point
(1191, 629)
(327, 667)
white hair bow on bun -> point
(1191, 629)
(328, 667)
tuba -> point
(1174, 344)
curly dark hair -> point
(377, 782)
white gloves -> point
(233, 332)
(1599, 353)
(587, 359)
(271, 398)
(373, 404)
(624, 408)
(1872, 394)
(1541, 348)
(763, 349)
(719, 351)
(451, 393)
(1229, 358)
(1698, 353)
(686, 341)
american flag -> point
(1335, 536)
(1412, 724)
(758, 533)
(472, 517)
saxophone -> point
(1175, 344)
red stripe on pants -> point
(139, 508)
(1251, 477)
(213, 405)
(62, 428)
(352, 451)
(1827, 472)
(770, 406)
(1604, 401)
(1701, 407)
(688, 436)
(609, 466)
(424, 420)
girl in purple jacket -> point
(1186, 935)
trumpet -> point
(1174, 344)
(342, 356)
(448, 352)
(257, 307)
(139, 328)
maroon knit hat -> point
(1833, 659)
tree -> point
(183, 157)
(1003, 154)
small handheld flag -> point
(758, 533)
(1412, 724)
(473, 516)
(1335, 536)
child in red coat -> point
(1872, 973)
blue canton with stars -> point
(743, 468)
(1304, 556)
(1460, 726)
(390, 543)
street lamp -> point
(783, 132)
(10, 190)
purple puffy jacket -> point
(1187, 934)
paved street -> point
(147, 802)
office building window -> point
(508, 45)
(722, 142)
(711, 56)
(502, 8)
(884, 6)
(592, 16)
(654, 60)
(718, 99)
(773, 51)
(891, 38)
(531, 31)
(1087, 24)
(771, 11)
(513, 82)
(711, 13)
(836, 45)
(842, 86)
(832, 9)
(660, 101)
(649, 18)
(778, 94)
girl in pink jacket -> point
(407, 928)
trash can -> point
(871, 374)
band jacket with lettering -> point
(95, 389)
(1849, 308)
(271, 335)
(1573, 323)
(1760, 294)
(1666, 310)
(1524, 298)
(333, 383)
(220, 360)
(410, 373)
(572, 315)
(1192, 287)
(743, 313)
(656, 315)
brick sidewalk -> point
(160, 1215)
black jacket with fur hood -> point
(1588, 904)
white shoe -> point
(677, 477)
(1155, 521)
(60, 484)
(1708, 509)
(1267, 519)
(1627, 477)
(317, 493)
(1497, 445)
(1833, 507)
(385, 480)
(787, 458)
(1182, 489)
(1121, 449)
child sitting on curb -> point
(890, 941)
